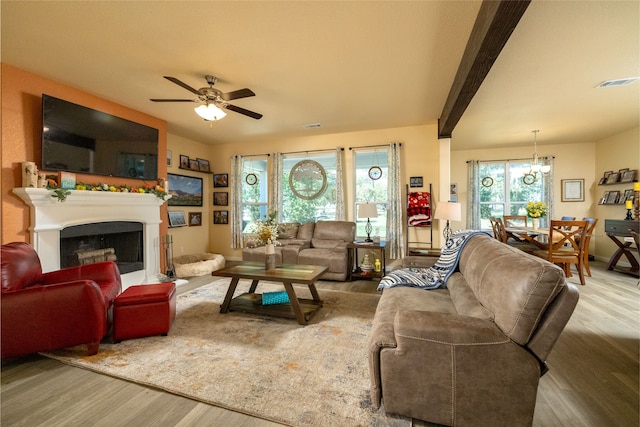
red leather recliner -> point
(46, 311)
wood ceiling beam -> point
(495, 22)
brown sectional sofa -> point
(471, 354)
(314, 243)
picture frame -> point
(184, 190)
(607, 173)
(203, 165)
(572, 190)
(177, 219)
(629, 176)
(604, 197)
(612, 198)
(622, 171)
(193, 165)
(628, 195)
(221, 199)
(184, 161)
(169, 157)
(602, 181)
(67, 180)
(221, 217)
(613, 178)
(415, 181)
(220, 180)
(195, 219)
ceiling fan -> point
(212, 100)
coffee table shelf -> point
(300, 309)
(252, 303)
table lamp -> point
(449, 211)
(629, 205)
(368, 210)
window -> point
(506, 193)
(322, 207)
(254, 197)
(368, 190)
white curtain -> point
(237, 168)
(340, 208)
(395, 211)
(473, 191)
(547, 191)
(276, 183)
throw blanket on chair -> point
(436, 276)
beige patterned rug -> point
(313, 375)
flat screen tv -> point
(83, 140)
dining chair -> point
(566, 246)
(515, 220)
(501, 234)
(590, 227)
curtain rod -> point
(313, 151)
(373, 146)
(510, 160)
(251, 155)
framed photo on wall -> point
(572, 190)
(220, 199)
(185, 190)
(177, 219)
(195, 219)
(220, 180)
(221, 217)
(203, 165)
(184, 161)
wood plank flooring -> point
(593, 378)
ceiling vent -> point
(618, 82)
(313, 126)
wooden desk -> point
(617, 230)
(298, 308)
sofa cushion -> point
(325, 243)
(464, 299)
(515, 286)
(288, 230)
(305, 231)
(335, 230)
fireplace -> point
(118, 241)
(52, 222)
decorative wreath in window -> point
(308, 179)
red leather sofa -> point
(46, 311)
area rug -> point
(267, 367)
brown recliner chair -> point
(46, 311)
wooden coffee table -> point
(300, 309)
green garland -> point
(62, 193)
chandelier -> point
(536, 165)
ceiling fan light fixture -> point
(210, 112)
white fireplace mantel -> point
(49, 216)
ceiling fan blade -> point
(184, 85)
(236, 94)
(240, 110)
(174, 100)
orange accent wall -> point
(22, 132)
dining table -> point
(538, 237)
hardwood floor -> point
(593, 378)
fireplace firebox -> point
(118, 241)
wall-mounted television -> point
(83, 140)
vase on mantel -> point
(536, 223)
(270, 257)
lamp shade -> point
(368, 210)
(210, 112)
(448, 210)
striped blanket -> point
(437, 275)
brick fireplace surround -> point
(49, 217)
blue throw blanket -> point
(436, 276)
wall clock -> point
(251, 179)
(529, 178)
(487, 181)
(308, 179)
(375, 172)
